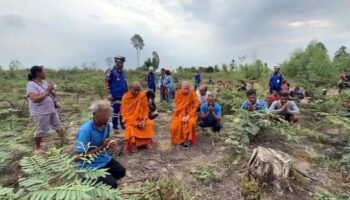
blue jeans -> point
(169, 97)
(116, 116)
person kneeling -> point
(211, 114)
(286, 108)
(135, 112)
(184, 120)
(93, 138)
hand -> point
(284, 107)
(210, 109)
(105, 144)
(141, 124)
(50, 88)
(185, 119)
(110, 97)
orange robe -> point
(185, 105)
(135, 109)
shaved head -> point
(135, 85)
(185, 84)
(185, 87)
(135, 88)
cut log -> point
(272, 167)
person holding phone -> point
(93, 137)
(41, 102)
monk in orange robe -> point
(139, 128)
(183, 125)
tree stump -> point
(272, 167)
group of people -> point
(133, 110)
(130, 109)
(281, 99)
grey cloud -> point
(13, 20)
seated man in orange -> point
(138, 127)
(183, 125)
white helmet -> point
(150, 68)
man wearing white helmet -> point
(151, 79)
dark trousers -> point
(216, 126)
(162, 93)
(116, 171)
(116, 117)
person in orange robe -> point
(139, 128)
(183, 125)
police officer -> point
(276, 80)
(151, 80)
(116, 86)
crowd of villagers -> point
(133, 110)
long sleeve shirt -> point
(292, 108)
(116, 84)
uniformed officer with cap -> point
(116, 87)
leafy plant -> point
(55, 176)
(325, 195)
(169, 189)
(250, 189)
(207, 174)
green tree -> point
(341, 59)
(155, 60)
(138, 44)
(233, 65)
(224, 68)
(216, 68)
(15, 65)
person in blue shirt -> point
(276, 80)
(151, 79)
(211, 114)
(197, 79)
(253, 103)
(169, 85)
(93, 138)
(161, 85)
(116, 87)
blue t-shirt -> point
(217, 111)
(89, 136)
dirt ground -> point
(169, 161)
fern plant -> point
(55, 176)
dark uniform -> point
(116, 86)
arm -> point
(107, 81)
(83, 143)
(193, 111)
(204, 114)
(34, 95)
(217, 114)
(295, 110)
(274, 108)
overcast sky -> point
(62, 33)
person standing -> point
(151, 79)
(170, 87)
(116, 87)
(41, 102)
(276, 80)
(197, 79)
(161, 85)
